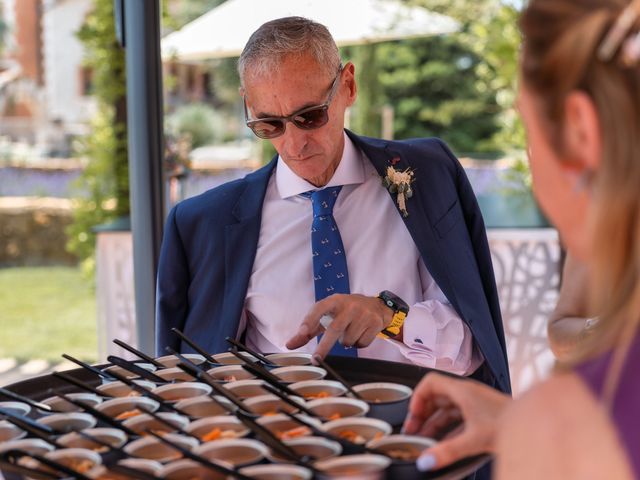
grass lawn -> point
(46, 311)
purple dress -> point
(626, 408)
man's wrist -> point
(399, 310)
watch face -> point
(394, 301)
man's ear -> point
(582, 137)
(350, 79)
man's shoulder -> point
(222, 198)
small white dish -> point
(227, 358)
(9, 432)
(246, 388)
(191, 470)
(141, 423)
(284, 427)
(170, 361)
(316, 448)
(238, 452)
(205, 406)
(112, 436)
(358, 430)
(60, 405)
(79, 459)
(387, 401)
(174, 392)
(299, 373)
(360, 467)
(17, 408)
(122, 406)
(230, 373)
(119, 389)
(68, 422)
(174, 374)
(312, 389)
(227, 426)
(270, 404)
(277, 472)
(126, 373)
(153, 449)
(287, 359)
(333, 408)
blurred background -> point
(444, 68)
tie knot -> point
(324, 200)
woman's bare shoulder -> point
(559, 430)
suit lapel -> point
(241, 242)
(418, 222)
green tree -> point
(104, 183)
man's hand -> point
(439, 402)
(356, 322)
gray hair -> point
(283, 37)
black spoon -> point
(42, 432)
(100, 415)
(337, 376)
(138, 353)
(86, 366)
(148, 393)
(80, 384)
(137, 369)
(291, 401)
(251, 351)
(14, 396)
(262, 373)
(49, 463)
(194, 345)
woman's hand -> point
(441, 402)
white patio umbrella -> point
(224, 31)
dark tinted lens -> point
(268, 129)
(314, 117)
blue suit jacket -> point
(210, 244)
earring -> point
(583, 182)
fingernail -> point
(424, 463)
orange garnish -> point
(128, 414)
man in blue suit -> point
(340, 241)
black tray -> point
(354, 370)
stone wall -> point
(32, 231)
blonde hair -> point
(560, 43)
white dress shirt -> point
(381, 255)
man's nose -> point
(295, 140)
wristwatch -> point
(400, 311)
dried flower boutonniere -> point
(399, 183)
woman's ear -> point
(582, 138)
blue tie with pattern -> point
(330, 272)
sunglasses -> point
(308, 118)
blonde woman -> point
(580, 102)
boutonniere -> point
(399, 182)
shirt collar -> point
(350, 171)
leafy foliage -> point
(104, 183)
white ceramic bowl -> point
(18, 408)
(170, 361)
(79, 459)
(118, 406)
(338, 407)
(225, 423)
(354, 467)
(141, 423)
(174, 374)
(60, 405)
(142, 464)
(366, 429)
(205, 406)
(68, 422)
(238, 452)
(174, 392)
(269, 404)
(227, 358)
(284, 427)
(404, 450)
(28, 445)
(8, 432)
(119, 389)
(316, 448)
(153, 449)
(310, 389)
(299, 373)
(126, 373)
(277, 472)
(387, 401)
(230, 373)
(247, 388)
(287, 359)
(112, 436)
(191, 470)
